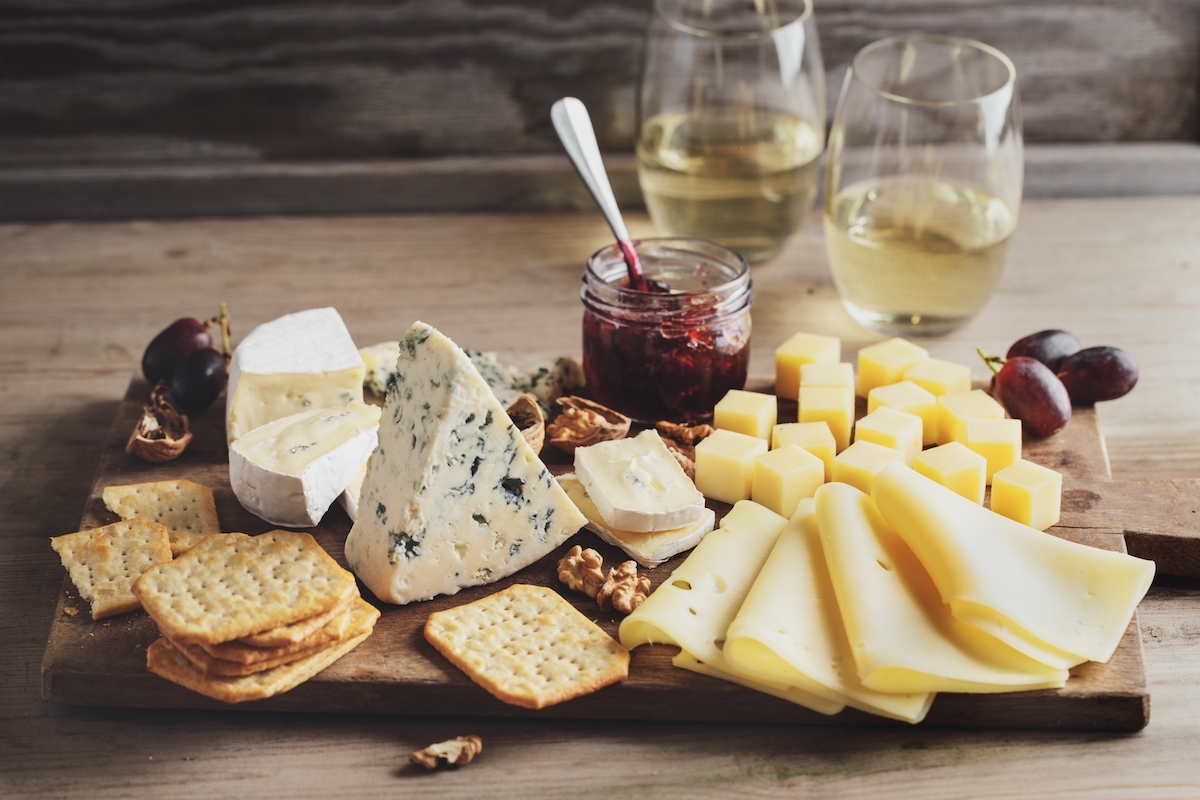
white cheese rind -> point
(637, 485)
(349, 498)
(453, 495)
(290, 470)
(648, 549)
(291, 364)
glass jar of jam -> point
(669, 353)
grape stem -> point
(994, 362)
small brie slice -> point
(648, 549)
(637, 485)
(290, 470)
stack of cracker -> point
(247, 617)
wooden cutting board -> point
(396, 671)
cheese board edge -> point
(108, 669)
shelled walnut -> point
(681, 440)
(582, 570)
(623, 589)
(161, 432)
(583, 422)
(452, 752)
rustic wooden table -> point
(78, 302)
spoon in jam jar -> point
(574, 128)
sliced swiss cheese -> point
(694, 606)
(637, 485)
(790, 630)
(903, 637)
(648, 549)
(290, 470)
(1055, 600)
(453, 495)
(295, 363)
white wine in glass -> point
(732, 121)
(924, 182)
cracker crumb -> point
(452, 753)
(71, 611)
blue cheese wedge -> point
(648, 549)
(453, 496)
(547, 384)
(290, 470)
(637, 485)
(295, 363)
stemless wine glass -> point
(731, 120)
(924, 181)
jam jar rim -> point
(606, 296)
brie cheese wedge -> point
(290, 470)
(637, 485)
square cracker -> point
(165, 661)
(243, 586)
(186, 508)
(359, 617)
(528, 646)
(104, 562)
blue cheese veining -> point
(453, 495)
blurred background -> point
(175, 108)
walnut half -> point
(623, 589)
(161, 433)
(681, 440)
(452, 752)
(582, 570)
(583, 422)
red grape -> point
(1098, 373)
(198, 380)
(171, 346)
(1049, 347)
(1030, 392)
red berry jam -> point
(672, 351)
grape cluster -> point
(1044, 374)
(182, 356)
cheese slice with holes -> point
(290, 470)
(648, 549)
(295, 363)
(1055, 600)
(453, 496)
(694, 606)
(790, 629)
(904, 639)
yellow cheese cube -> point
(839, 374)
(725, 465)
(956, 467)
(751, 413)
(859, 463)
(1028, 493)
(815, 437)
(997, 440)
(832, 405)
(802, 348)
(784, 477)
(886, 362)
(953, 411)
(906, 396)
(940, 377)
(891, 428)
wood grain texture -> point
(78, 302)
(396, 670)
(116, 82)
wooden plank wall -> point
(258, 102)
